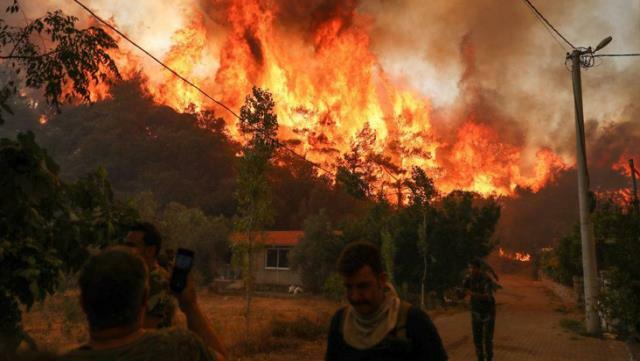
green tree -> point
(72, 60)
(147, 206)
(617, 229)
(192, 228)
(462, 228)
(388, 251)
(356, 170)
(188, 227)
(423, 192)
(47, 227)
(259, 124)
(316, 253)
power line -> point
(551, 33)
(611, 55)
(156, 59)
(541, 17)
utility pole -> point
(636, 202)
(579, 58)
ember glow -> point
(516, 256)
(623, 167)
(328, 86)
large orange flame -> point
(328, 85)
(515, 256)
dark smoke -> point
(255, 46)
(510, 75)
(534, 220)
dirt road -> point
(527, 328)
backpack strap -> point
(341, 320)
(401, 324)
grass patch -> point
(573, 325)
(280, 335)
(300, 328)
(262, 344)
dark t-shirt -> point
(422, 342)
(483, 288)
(162, 345)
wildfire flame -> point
(328, 86)
(622, 165)
(516, 256)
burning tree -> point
(259, 124)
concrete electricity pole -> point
(634, 184)
(584, 57)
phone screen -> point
(183, 261)
(181, 268)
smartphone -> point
(181, 268)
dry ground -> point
(528, 327)
(283, 327)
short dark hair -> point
(151, 236)
(357, 255)
(113, 285)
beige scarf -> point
(365, 331)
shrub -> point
(301, 328)
(333, 287)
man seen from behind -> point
(114, 293)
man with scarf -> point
(377, 324)
(481, 287)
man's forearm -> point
(199, 324)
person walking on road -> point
(480, 287)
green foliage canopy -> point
(316, 253)
(46, 227)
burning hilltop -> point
(321, 59)
(329, 86)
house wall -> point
(273, 276)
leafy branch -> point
(74, 60)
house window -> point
(277, 258)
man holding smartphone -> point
(113, 294)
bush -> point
(619, 301)
(316, 254)
(333, 287)
(616, 231)
(47, 227)
(301, 328)
(573, 325)
(191, 228)
(564, 262)
(280, 335)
